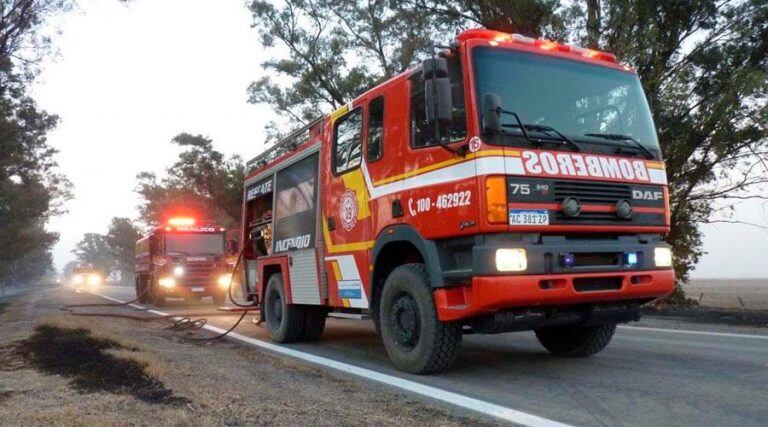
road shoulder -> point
(212, 383)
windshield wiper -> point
(543, 128)
(628, 140)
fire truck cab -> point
(183, 259)
(506, 184)
(87, 276)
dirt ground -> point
(750, 294)
(57, 369)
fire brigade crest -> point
(348, 209)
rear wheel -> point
(284, 321)
(576, 341)
(414, 338)
(314, 322)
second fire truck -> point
(186, 259)
(507, 184)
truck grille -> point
(200, 269)
(592, 216)
(200, 274)
(593, 192)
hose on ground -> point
(179, 321)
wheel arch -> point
(267, 268)
(398, 245)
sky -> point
(127, 79)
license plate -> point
(198, 289)
(528, 217)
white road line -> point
(466, 402)
(690, 332)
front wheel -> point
(142, 293)
(576, 341)
(414, 338)
(157, 298)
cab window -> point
(375, 141)
(348, 142)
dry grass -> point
(225, 384)
(152, 364)
(751, 294)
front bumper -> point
(182, 291)
(487, 294)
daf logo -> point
(647, 195)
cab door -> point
(346, 210)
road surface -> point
(645, 377)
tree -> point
(202, 182)
(31, 188)
(532, 18)
(94, 249)
(337, 49)
(121, 240)
(704, 65)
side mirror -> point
(492, 113)
(434, 67)
(438, 100)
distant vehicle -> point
(506, 184)
(85, 275)
(183, 259)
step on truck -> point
(184, 258)
(505, 184)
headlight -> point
(511, 260)
(178, 270)
(167, 282)
(225, 280)
(662, 257)
(94, 279)
(78, 279)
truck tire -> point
(157, 299)
(284, 321)
(142, 293)
(414, 338)
(314, 322)
(576, 341)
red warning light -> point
(181, 221)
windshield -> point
(573, 97)
(194, 243)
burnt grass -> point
(76, 354)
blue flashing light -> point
(569, 260)
(631, 258)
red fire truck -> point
(88, 276)
(183, 259)
(506, 184)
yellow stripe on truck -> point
(344, 247)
